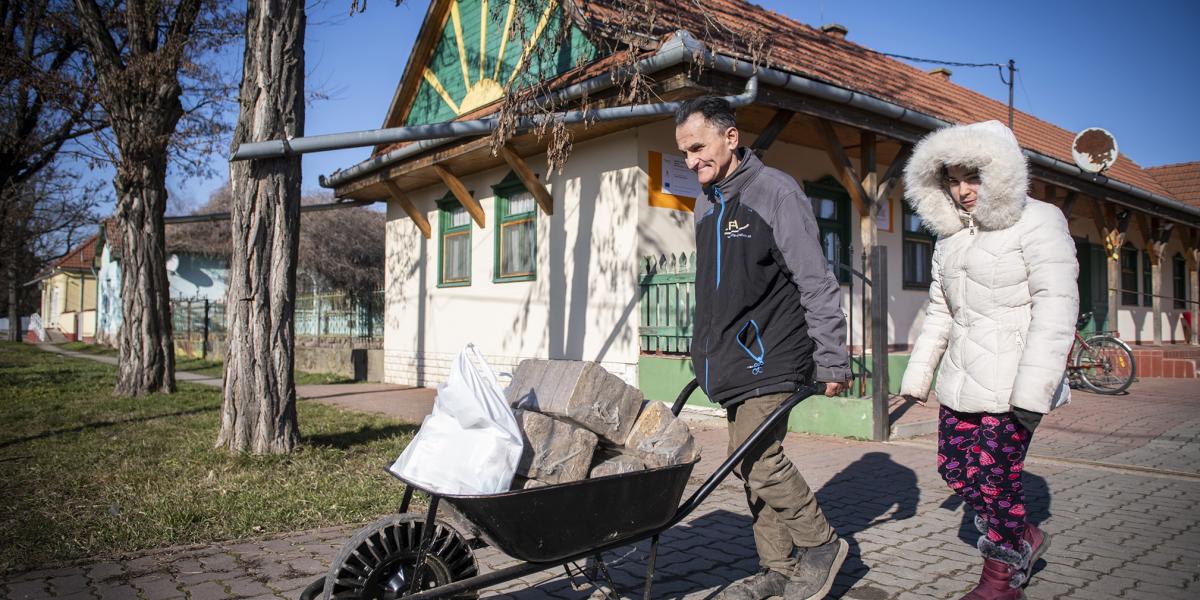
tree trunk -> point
(14, 314)
(259, 410)
(147, 351)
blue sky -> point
(1099, 63)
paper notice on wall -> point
(677, 179)
(883, 218)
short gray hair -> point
(716, 111)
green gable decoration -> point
(482, 49)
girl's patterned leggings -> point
(981, 455)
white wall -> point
(583, 304)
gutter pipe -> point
(224, 216)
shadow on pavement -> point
(860, 497)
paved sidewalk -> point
(1115, 479)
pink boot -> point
(996, 583)
(1039, 542)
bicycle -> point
(1102, 363)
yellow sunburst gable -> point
(470, 51)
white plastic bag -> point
(471, 443)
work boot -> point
(1039, 542)
(816, 570)
(763, 584)
(1004, 572)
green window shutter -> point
(1179, 281)
(454, 243)
(831, 208)
(1147, 281)
(515, 257)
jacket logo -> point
(732, 230)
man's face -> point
(963, 184)
(708, 149)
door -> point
(1093, 284)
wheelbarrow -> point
(422, 557)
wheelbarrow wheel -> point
(379, 562)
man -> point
(768, 320)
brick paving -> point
(1114, 479)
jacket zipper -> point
(971, 223)
(711, 318)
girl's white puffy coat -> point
(1004, 298)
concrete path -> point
(1115, 479)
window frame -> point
(828, 188)
(502, 192)
(1129, 295)
(921, 236)
(447, 205)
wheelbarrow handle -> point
(683, 396)
(780, 412)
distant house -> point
(68, 287)
(196, 270)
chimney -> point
(942, 72)
(835, 30)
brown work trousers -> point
(784, 509)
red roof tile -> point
(1182, 180)
(81, 257)
(804, 50)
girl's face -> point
(963, 184)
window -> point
(918, 252)
(1129, 275)
(831, 207)
(1147, 281)
(1179, 280)
(454, 243)
(516, 232)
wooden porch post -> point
(1113, 232)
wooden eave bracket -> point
(844, 168)
(778, 122)
(460, 192)
(410, 209)
(528, 179)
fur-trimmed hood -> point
(989, 147)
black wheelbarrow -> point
(420, 557)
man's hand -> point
(834, 388)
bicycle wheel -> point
(1105, 365)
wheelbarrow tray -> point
(554, 522)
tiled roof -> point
(804, 50)
(1182, 180)
(81, 257)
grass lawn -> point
(211, 368)
(87, 474)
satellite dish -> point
(1094, 150)
(172, 263)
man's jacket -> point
(768, 309)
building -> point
(68, 287)
(196, 271)
(592, 262)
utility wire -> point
(1025, 91)
(949, 63)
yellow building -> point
(69, 294)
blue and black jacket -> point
(768, 309)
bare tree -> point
(259, 410)
(140, 50)
(47, 101)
